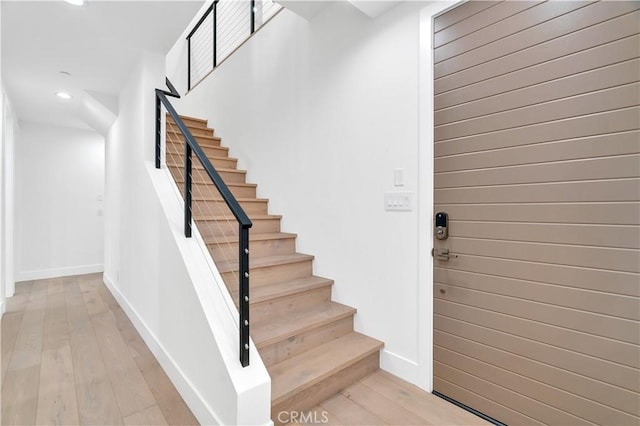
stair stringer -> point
(249, 386)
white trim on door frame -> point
(425, 207)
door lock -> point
(441, 230)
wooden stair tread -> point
(252, 237)
(190, 124)
(311, 367)
(200, 197)
(219, 170)
(202, 145)
(293, 323)
(211, 141)
(286, 288)
(196, 164)
(187, 117)
(235, 184)
(262, 262)
(226, 218)
(175, 128)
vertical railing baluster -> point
(189, 63)
(253, 16)
(215, 34)
(244, 294)
(158, 130)
(187, 189)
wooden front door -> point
(537, 309)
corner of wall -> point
(10, 132)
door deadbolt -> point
(441, 230)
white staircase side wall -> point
(166, 283)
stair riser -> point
(224, 163)
(237, 191)
(229, 251)
(211, 228)
(230, 177)
(218, 163)
(295, 345)
(323, 390)
(200, 176)
(173, 130)
(271, 274)
(220, 208)
(189, 122)
(210, 151)
(174, 138)
(264, 311)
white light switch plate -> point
(398, 177)
(398, 201)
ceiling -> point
(98, 44)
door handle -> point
(442, 254)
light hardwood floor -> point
(71, 356)
(384, 399)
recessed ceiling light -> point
(75, 2)
(63, 95)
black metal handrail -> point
(191, 147)
(210, 9)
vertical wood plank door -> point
(537, 164)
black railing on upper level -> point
(223, 27)
(191, 147)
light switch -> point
(398, 201)
(99, 197)
(398, 177)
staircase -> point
(306, 340)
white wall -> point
(59, 190)
(163, 281)
(321, 112)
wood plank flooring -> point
(71, 356)
(383, 399)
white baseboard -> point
(185, 388)
(59, 272)
(399, 366)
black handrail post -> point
(244, 293)
(187, 189)
(253, 16)
(189, 62)
(215, 34)
(158, 127)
